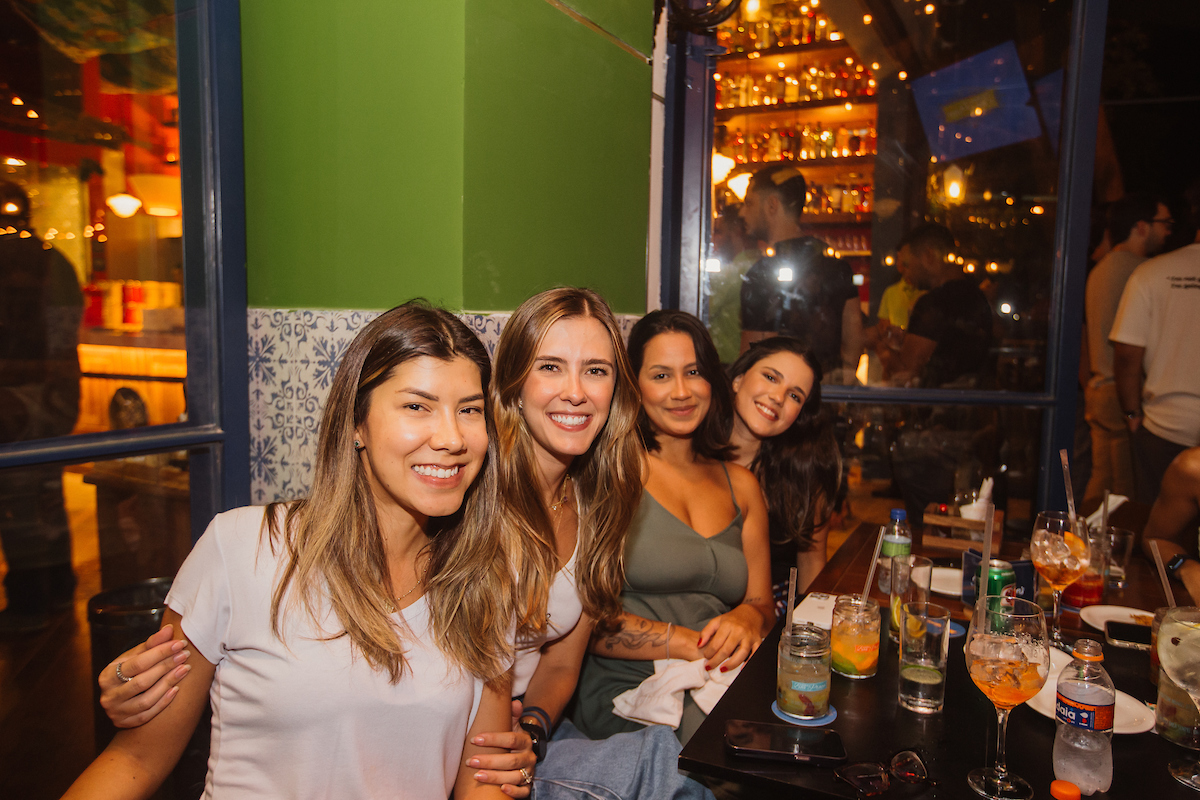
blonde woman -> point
(355, 643)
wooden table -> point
(962, 737)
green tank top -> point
(672, 574)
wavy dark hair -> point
(711, 438)
(800, 470)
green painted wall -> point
(508, 153)
(353, 121)
(556, 166)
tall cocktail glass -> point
(1179, 656)
(1060, 556)
(1008, 658)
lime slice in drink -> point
(897, 606)
(927, 675)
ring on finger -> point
(525, 773)
(121, 675)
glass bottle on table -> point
(1060, 555)
(1179, 657)
(1008, 657)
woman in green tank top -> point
(697, 571)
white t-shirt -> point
(563, 609)
(1104, 287)
(304, 718)
(1160, 311)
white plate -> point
(1131, 715)
(1096, 616)
(947, 581)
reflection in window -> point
(841, 138)
(91, 264)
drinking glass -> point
(1060, 555)
(1008, 657)
(802, 688)
(924, 645)
(1120, 543)
(1179, 656)
(854, 639)
(911, 577)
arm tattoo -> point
(642, 634)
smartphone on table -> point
(783, 742)
(1127, 634)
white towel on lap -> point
(658, 700)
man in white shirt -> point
(1156, 363)
(1139, 223)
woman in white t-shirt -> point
(355, 643)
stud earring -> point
(358, 448)
(521, 404)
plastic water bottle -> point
(1084, 710)
(897, 541)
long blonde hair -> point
(332, 542)
(607, 478)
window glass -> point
(70, 534)
(885, 187)
(91, 257)
(924, 457)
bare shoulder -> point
(745, 485)
(1187, 465)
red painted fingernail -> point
(723, 669)
(708, 666)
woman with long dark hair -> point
(696, 560)
(781, 436)
(356, 642)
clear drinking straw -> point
(874, 563)
(1162, 573)
(988, 522)
(791, 606)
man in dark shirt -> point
(798, 289)
(40, 309)
(949, 334)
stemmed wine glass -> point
(1061, 556)
(1008, 658)
(1179, 656)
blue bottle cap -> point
(899, 513)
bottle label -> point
(895, 546)
(1083, 715)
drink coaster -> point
(807, 723)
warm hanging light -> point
(13, 162)
(738, 185)
(955, 183)
(11, 209)
(721, 167)
(123, 205)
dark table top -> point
(961, 738)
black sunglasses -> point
(870, 778)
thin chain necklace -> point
(563, 498)
(391, 606)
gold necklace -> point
(563, 498)
(391, 606)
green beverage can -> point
(1001, 583)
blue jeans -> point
(638, 764)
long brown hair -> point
(800, 469)
(332, 541)
(607, 477)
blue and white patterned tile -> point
(293, 355)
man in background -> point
(735, 254)
(1139, 224)
(40, 311)
(1156, 363)
(798, 289)
(949, 334)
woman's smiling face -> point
(675, 396)
(566, 397)
(768, 396)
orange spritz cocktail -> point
(1060, 558)
(1007, 683)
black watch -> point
(538, 735)
(1175, 562)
